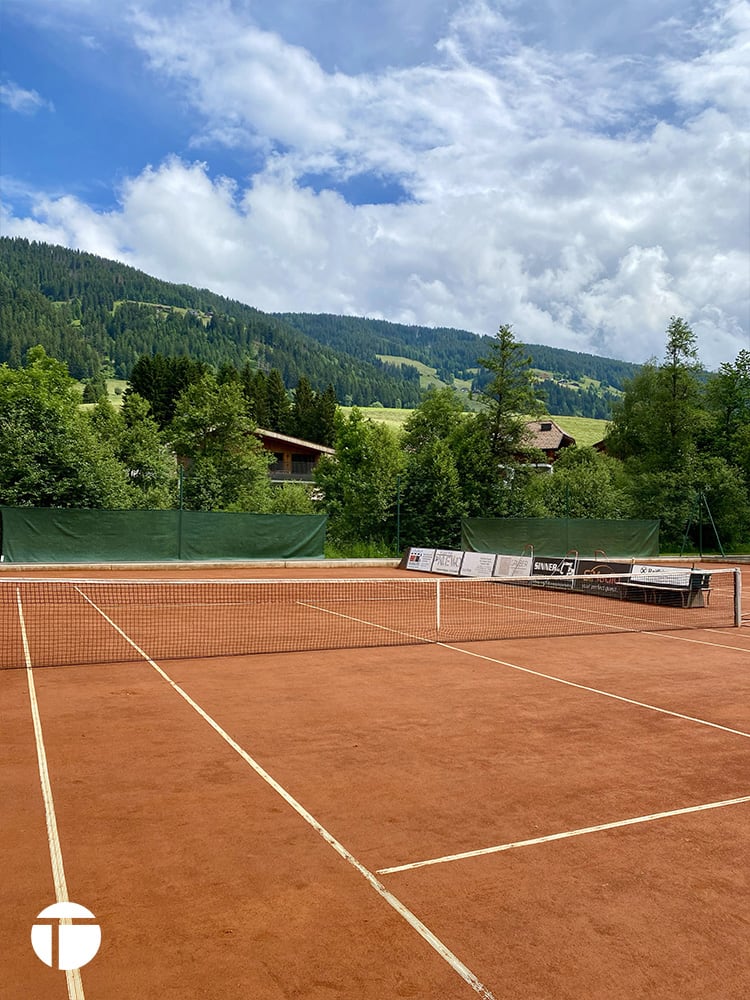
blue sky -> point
(579, 170)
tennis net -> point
(56, 622)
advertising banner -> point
(513, 566)
(601, 576)
(562, 568)
(478, 564)
(420, 559)
(554, 566)
(664, 575)
(447, 561)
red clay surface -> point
(208, 884)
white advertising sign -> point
(420, 559)
(478, 564)
(513, 566)
(447, 561)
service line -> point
(497, 849)
(599, 691)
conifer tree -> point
(279, 409)
(304, 417)
(510, 396)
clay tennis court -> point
(561, 817)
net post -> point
(437, 607)
(737, 597)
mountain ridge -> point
(99, 315)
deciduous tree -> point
(360, 484)
(226, 465)
(49, 453)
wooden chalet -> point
(548, 437)
(295, 459)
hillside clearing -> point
(586, 430)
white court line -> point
(525, 610)
(363, 621)
(700, 642)
(592, 690)
(548, 677)
(581, 687)
(560, 605)
(546, 614)
(445, 953)
(561, 836)
(72, 976)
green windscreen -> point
(50, 535)
(558, 536)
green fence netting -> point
(50, 535)
(559, 536)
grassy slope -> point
(585, 430)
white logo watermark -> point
(66, 945)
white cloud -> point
(584, 193)
(22, 101)
(282, 247)
(718, 75)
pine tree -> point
(279, 409)
(327, 407)
(304, 417)
(510, 395)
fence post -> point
(181, 477)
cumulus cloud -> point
(584, 194)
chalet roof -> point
(269, 437)
(547, 435)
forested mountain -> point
(94, 313)
(98, 315)
(574, 383)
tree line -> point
(186, 434)
(304, 413)
(678, 438)
(454, 354)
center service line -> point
(445, 953)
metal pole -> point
(181, 476)
(737, 598)
(713, 525)
(398, 515)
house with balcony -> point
(295, 459)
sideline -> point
(72, 976)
